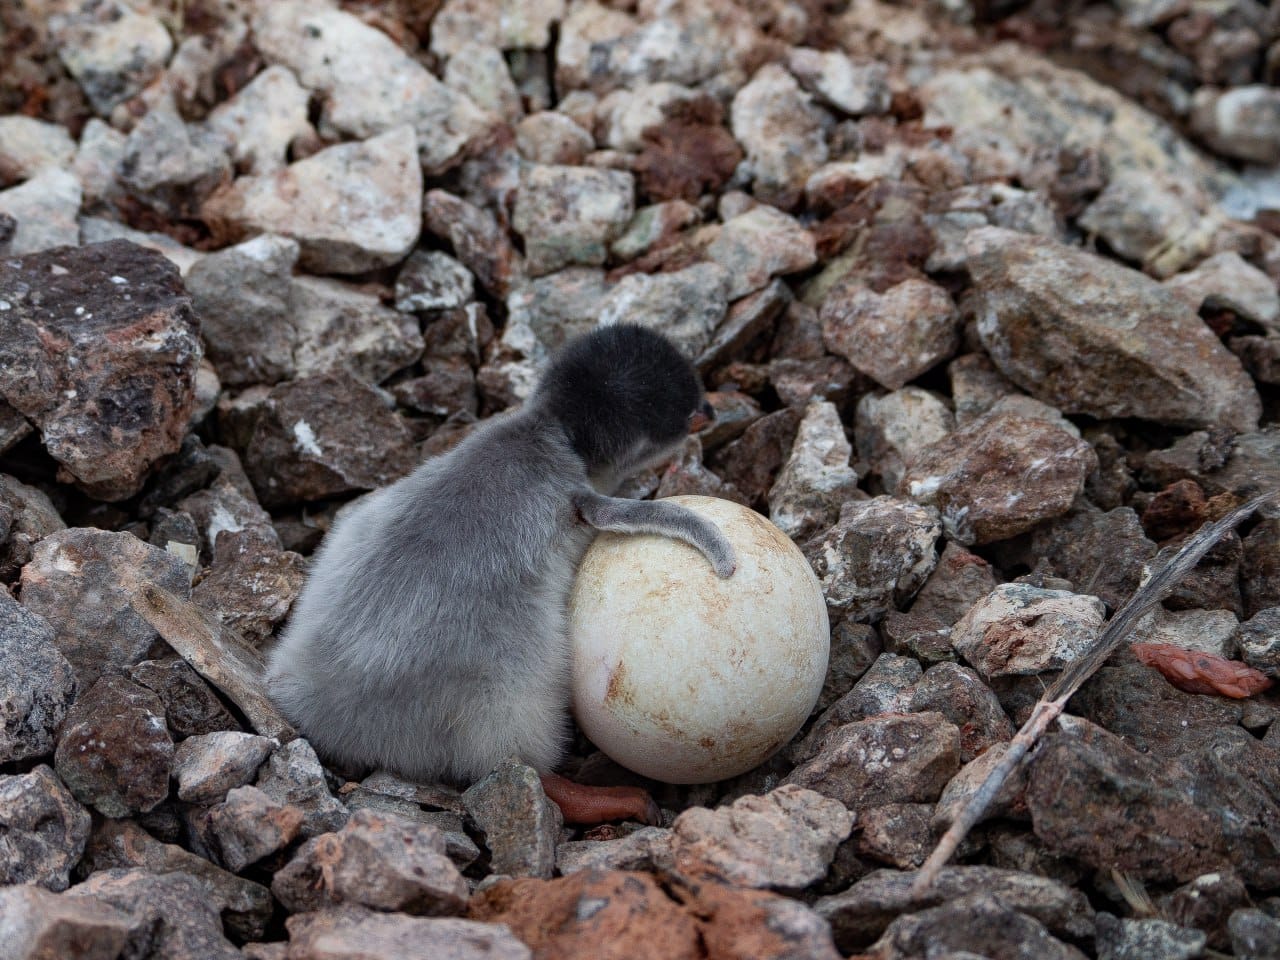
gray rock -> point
(42, 830)
(896, 834)
(175, 909)
(431, 280)
(758, 245)
(862, 913)
(1162, 225)
(785, 839)
(976, 925)
(191, 708)
(37, 684)
(648, 848)
(652, 225)
(999, 476)
(505, 24)
(45, 208)
(882, 689)
(1255, 935)
(817, 478)
(170, 167)
(746, 322)
(101, 230)
(569, 215)
(477, 240)
(293, 776)
(28, 145)
(544, 313)
(97, 164)
(521, 826)
(1086, 335)
(1245, 465)
(686, 305)
(853, 88)
(259, 123)
(976, 386)
(326, 435)
(782, 132)
(1010, 800)
(1243, 123)
(854, 648)
(99, 349)
(40, 924)
(1206, 903)
(876, 556)
(1227, 281)
(247, 826)
(892, 336)
(1148, 939)
(1209, 631)
(1020, 630)
(81, 581)
(890, 429)
(246, 906)
(114, 751)
(887, 759)
(112, 50)
(480, 71)
(363, 209)
(207, 766)
(458, 846)
(352, 933)
(369, 84)
(1258, 640)
(376, 860)
(1260, 568)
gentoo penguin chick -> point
(431, 637)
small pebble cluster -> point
(986, 298)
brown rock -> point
(251, 584)
(245, 906)
(326, 435)
(690, 153)
(959, 694)
(999, 476)
(293, 777)
(249, 825)
(1244, 465)
(959, 581)
(40, 925)
(477, 240)
(82, 581)
(784, 839)
(37, 683)
(375, 860)
(686, 475)
(854, 648)
(896, 834)
(1087, 335)
(114, 752)
(190, 705)
(1207, 903)
(893, 336)
(100, 351)
(175, 909)
(646, 849)
(44, 830)
(887, 759)
(917, 635)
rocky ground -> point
(987, 295)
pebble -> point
(112, 50)
(28, 145)
(891, 429)
(782, 132)
(686, 305)
(207, 766)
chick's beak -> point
(701, 417)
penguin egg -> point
(687, 678)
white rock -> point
(1243, 122)
(97, 162)
(505, 24)
(550, 137)
(369, 84)
(28, 145)
(432, 280)
(46, 207)
(1160, 223)
(756, 246)
(857, 89)
(362, 209)
(686, 305)
(340, 326)
(480, 71)
(543, 313)
(1228, 280)
(570, 215)
(1208, 631)
(112, 51)
(260, 121)
(890, 429)
(1020, 630)
(629, 113)
(816, 478)
(782, 132)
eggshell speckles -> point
(687, 678)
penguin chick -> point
(431, 638)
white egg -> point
(687, 678)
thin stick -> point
(217, 653)
(1054, 701)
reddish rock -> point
(688, 154)
(959, 581)
(326, 435)
(99, 349)
(999, 476)
(114, 752)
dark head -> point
(626, 397)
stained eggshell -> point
(687, 678)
